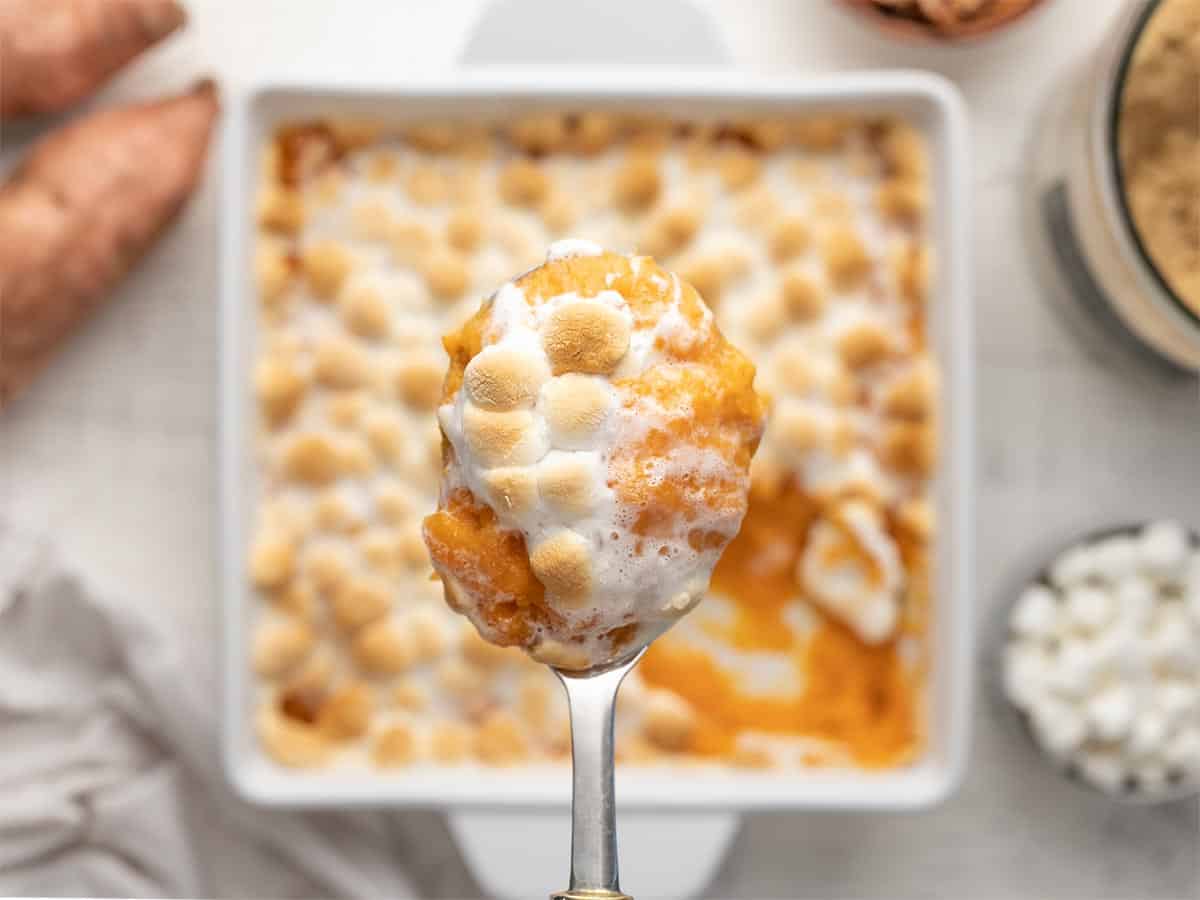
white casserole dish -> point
(535, 793)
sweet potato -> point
(56, 52)
(88, 201)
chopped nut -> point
(372, 220)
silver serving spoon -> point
(591, 700)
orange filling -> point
(860, 697)
(490, 564)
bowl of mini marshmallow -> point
(1101, 661)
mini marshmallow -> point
(1149, 731)
(1059, 727)
(576, 408)
(1163, 548)
(585, 336)
(1026, 668)
(1073, 669)
(1088, 609)
(1135, 601)
(1103, 768)
(1182, 751)
(505, 378)
(563, 564)
(1115, 558)
(862, 584)
(1110, 713)
(1175, 699)
(567, 482)
(512, 490)
(1072, 567)
(503, 438)
(1036, 613)
(1173, 644)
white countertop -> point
(113, 447)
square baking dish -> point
(927, 102)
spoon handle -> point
(591, 699)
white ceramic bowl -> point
(487, 801)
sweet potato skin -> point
(82, 208)
(56, 52)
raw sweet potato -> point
(56, 52)
(88, 201)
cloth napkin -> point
(110, 782)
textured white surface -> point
(114, 446)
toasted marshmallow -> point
(503, 438)
(576, 408)
(586, 336)
(512, 490)
(563, 564)
(568, 482)
(852, 569)
(504, 378)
